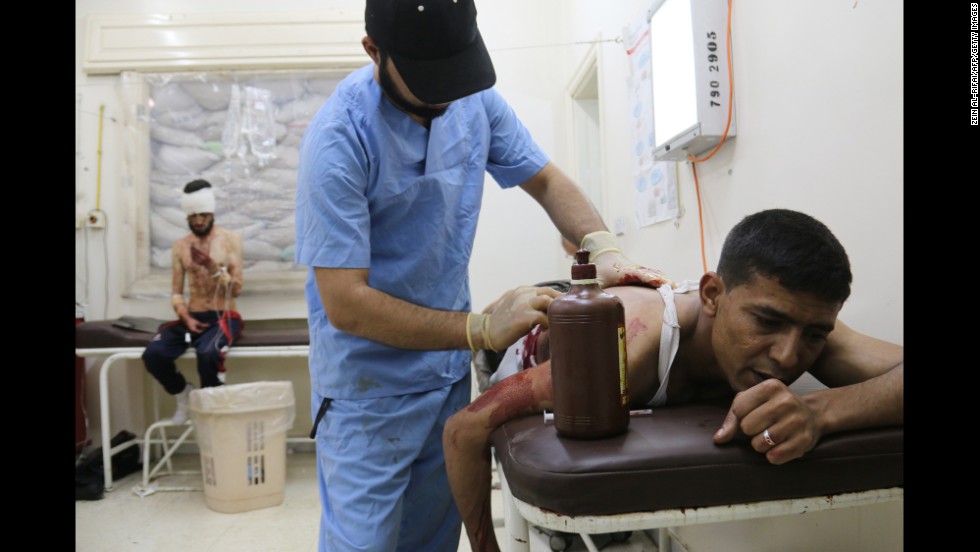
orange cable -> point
(697, 188)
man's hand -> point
(771, 407)
(203, 259)
(194, 325)
(516, 312)
(614, 269)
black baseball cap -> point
(435, 44)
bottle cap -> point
(583, 269)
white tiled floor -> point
(172, 521)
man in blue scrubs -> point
(390, 183)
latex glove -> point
(514, 314)
(613, 268)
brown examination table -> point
(666, 471)
(126, 337)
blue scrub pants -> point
(382, 475)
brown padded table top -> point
(668, 460)
(106, 334)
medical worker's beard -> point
(204, 232)
(390, 90)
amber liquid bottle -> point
(587, 336)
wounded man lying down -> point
(747, 331)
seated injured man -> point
(747, 332)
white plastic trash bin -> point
(241, 432)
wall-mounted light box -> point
(689, 70)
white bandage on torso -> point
(670, 337)
(199, 201)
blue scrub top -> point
(377, 190)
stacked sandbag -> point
(241, 133)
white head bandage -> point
(199, 201)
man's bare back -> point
(644, 314)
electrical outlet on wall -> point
(95, 219)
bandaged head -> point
(198, 201)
